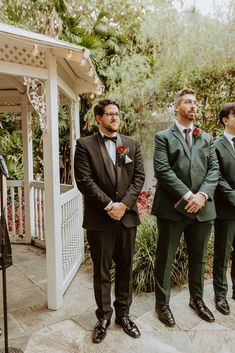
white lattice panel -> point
(20, 54)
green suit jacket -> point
(225, 191)
(179, 170)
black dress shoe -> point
(201, 309)
(128, 326)
(164, 314)
(221, 304)
(99, 332)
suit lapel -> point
(107, 160)
(118, 167)
(227, 145)
(176, 132)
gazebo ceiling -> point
(23, 47)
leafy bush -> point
(144, 257)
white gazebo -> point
(39, 73)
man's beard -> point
(191, 116)
(110, 129)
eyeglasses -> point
(112, 114)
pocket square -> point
(127, 159)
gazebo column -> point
(74, 131)
(28, 168)
(52, 191)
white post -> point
(52, 191)
(75, 136)
(74, 132)
(28, 169)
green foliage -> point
(144, 257)
(11, 144)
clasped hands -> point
(117, 210)
(195, 202)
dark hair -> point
(225, 110)
(99, 108)
(182, 93)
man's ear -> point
(225, 120)
(98, 118)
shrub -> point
(145, 249)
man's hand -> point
(117, 211)
(196, 202)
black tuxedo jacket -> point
(101, 182)
(225, 191)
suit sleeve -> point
(137, 180)
(211, 179)
(163, 172)
(84, 179)
(224, 188)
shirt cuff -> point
(108, 207)
(187, 195)
(203, 193)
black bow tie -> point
(111, 138)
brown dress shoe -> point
(164, 314)
(221, 304)
(128, 326)
(201, 309)
(99, 332)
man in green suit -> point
(186, 169)
(225, 207)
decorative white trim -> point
(37, 96)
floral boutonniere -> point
(122, 153)
(197, 132)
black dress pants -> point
(116, 244)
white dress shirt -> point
(182, 128)
(111, 147)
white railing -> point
(72, 234)
(38, 235)
(14, 211)
(71, 222)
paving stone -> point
(15, 280)
(14, 327)
(35, 329)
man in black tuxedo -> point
(225, 207)
(109, 173)
(186, 169)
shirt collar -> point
(229, 136)
(181, 127)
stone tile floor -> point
(35, 329)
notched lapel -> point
(107, 160)
(228, 146)
(176, 132)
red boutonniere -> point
(122, 151)
(197, 132)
